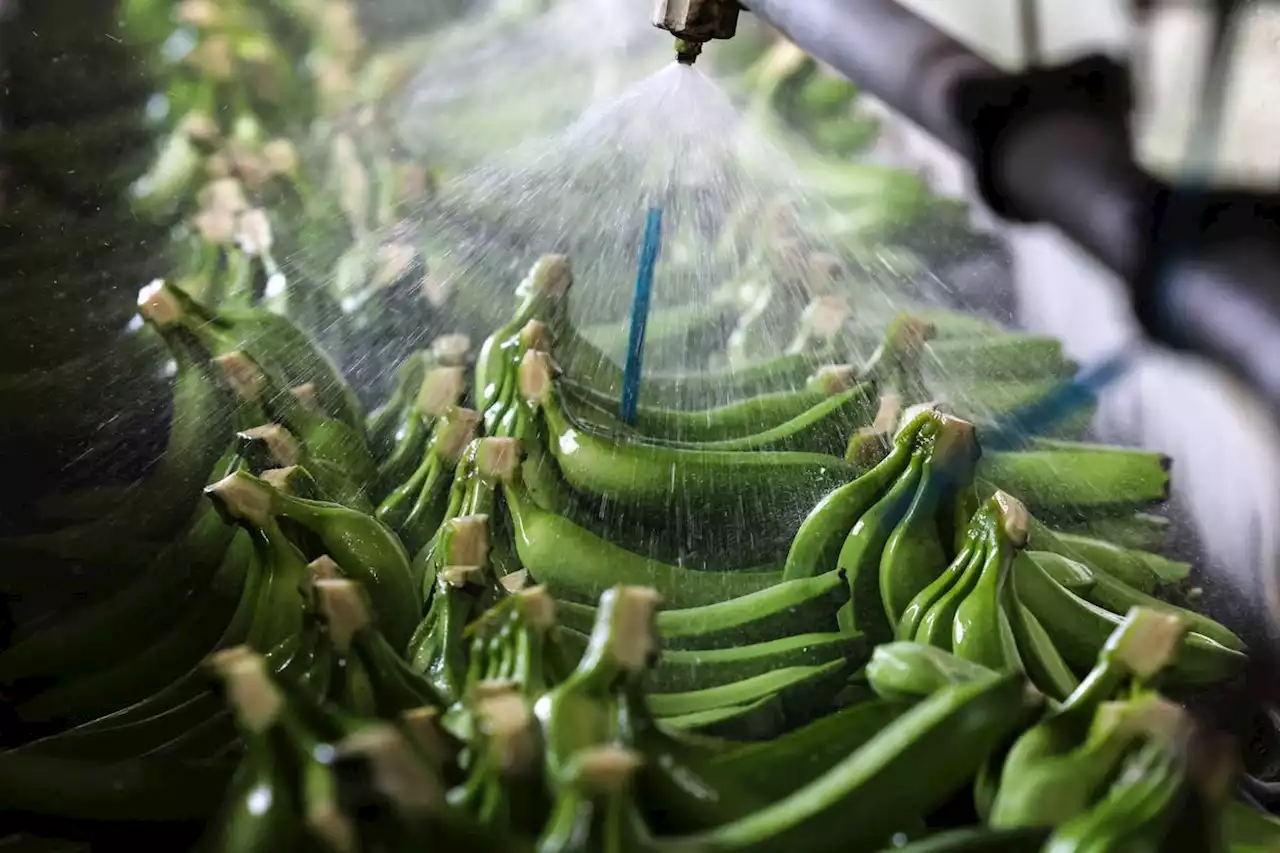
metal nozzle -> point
(695, 22)
(687, 52)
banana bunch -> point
(490, 613)
(1001, 606)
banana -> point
(862, 550)
(272, 447)
(395, 686)
(1118, 597)
(1041, 658)
(569, 560)
(818, 542)
(868, 795)
(823, 429)
(928, 618)
(699, 669)
(756, 721)
(458, 433)
(169, 728)
(365, 549)
(981, 631)
(199, 432)
(438, 398)
(259, 812)
(1084, 482)
(813, 686)
(541, 296)
(723, 423)
(131, 617)
(1054, 788)
(216, 613)
(175, 709)
(1080, 628)
(699, 486)
(1102, 557)
(777, 768)
(914, 554)
(1141, 531)
(1137, 811)
(907, 672)
(325, 439)
(1007, 356)
(384, 422)
(781, 610)
(437, 649)
(268, 338)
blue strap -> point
(640, 314)
(1011, 430)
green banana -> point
(817, 544)
(1086, 481)
(396, 687)
(981, 631)
(863, 547)
(269, 339)
(441, 393)
(365, 549)
(218, 611)
(384, 422)
(870, 793)
(777, 768)
(1055, 788)
(1080, 628)
(1146, 572)
(326, 440)
(568, 559)
(907, 672)
(1039, 656)
(823, 429)
(915, 554)
(131, 617)
(756, 721)
(200, 429)
(937, 604)
(407, 509)
(697, 485)
(698, 669)
(814, 685)
(767, 614)
(1118, 597)
(259, 811)
(1137, 811)
(437, 649)
(1005, 356)
(1141, 531)
(738, 420)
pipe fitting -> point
(697, 21)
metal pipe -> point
(1070, 169)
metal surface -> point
(697, 20)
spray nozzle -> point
(687, 52)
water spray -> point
(696, 22)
